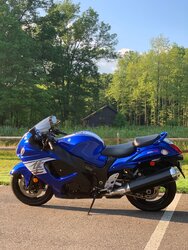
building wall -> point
(103, 117)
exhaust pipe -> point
(146, 182)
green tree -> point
(123, 83)
(185, 89)
(18, 69)
(151, 88)
(71, 45)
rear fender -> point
(20, 168)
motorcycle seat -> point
(121, 150)
(145, 140)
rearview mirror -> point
(53, 120)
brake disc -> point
(32, 193)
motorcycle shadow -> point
(178, 216)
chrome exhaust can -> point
(144, 182)
(160, 178)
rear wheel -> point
(154, 199)
(34, 195)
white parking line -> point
(158, 234)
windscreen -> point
(44, 125)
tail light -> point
(172, 145)
(176, 148)
(152, 163)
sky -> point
(136, 22)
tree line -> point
(152, 88)
(48, 65)
(48, 60)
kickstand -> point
(94, 197)
(179, 168)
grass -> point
(134, 131)
(8, 159)
(10, 131)
(182, 184)
(127, 131)
(109, 133)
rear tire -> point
(155, 205)
(20, 191)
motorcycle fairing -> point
(143, 154)
(36, 160)
(20, 168)
(55, 183)
(85, 145)
(28, 151)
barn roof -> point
(95, 112)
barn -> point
(103, 116)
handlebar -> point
(58, 132)
(46, 139)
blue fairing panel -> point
(85, 145)
(56, 183)
(21, 169)
(28, 151)
(143, 154)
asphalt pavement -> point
(113, 224)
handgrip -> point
(50, 145)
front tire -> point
(36, 197)
(158, 203)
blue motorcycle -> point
(80, 165)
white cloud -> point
(110, 66)
(123, 51)
(107, 66)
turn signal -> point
(35, 179)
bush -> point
(119, 121)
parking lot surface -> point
(113, 224)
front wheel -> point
(154, 199)
(34, 195)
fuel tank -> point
(85, 145)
